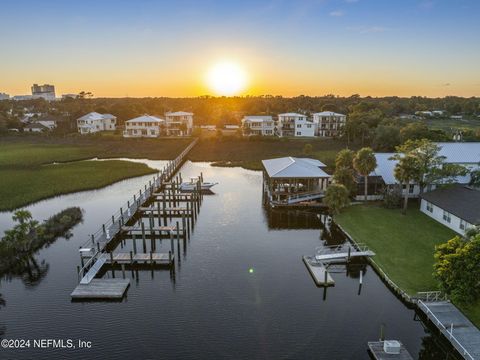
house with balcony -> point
(328, 123)
(179, 123)
(289, 180)
(144, 126)
(258, 125)
(293, 124)
(94, 122)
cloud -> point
(368, 29)
(446, 84)
(336, 13)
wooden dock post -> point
(103, 228)
(93, 239)
(131, 258)
(159, 214)
(143, 236)
(349, 251)
(123, 271)
(183, 224)
(111, 257)
(78, 273)
(178, 232)
(164, 211)
(170, 256)
(171, 241)
(134, 243)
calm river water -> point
(215, 307)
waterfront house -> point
(258, 125)
(464, 154)
(328, 123)
(179, 123)
(290, 180)
(94, 122)
(457, 207)
(144, 126)
(293, 124)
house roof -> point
(292, 114)
(96, 116)
(459, 200)
(257, 118)
(328, 113)
(291, 167)
(385, 168)
(460, 152)
(146, 118)
(35, 125)
(178, 113)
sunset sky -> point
(282, 47)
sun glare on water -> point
(227, 79)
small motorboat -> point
(192, 185)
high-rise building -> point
(4, 96)
(43, 91)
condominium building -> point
(293, 124)
(45, 91)
(328, 123)
(258, 125)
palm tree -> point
(406, 171)
(364, 163)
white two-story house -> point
(144, 126)
(293, 124)
(328, 123)
(94, 122)
(258, 125)
(179, 123)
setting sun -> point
(226, 78)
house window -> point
(309, 126)
(299, 133)
(463, 224)
(429, 207)
(447, 216)
(411, 188)
(299, 125)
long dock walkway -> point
(95, 248)
(460, 331)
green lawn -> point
(20, 187)
(404, 245)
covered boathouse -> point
(290, 180)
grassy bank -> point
(248, 153)
(20, 187)
(404, 245)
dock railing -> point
(464, 352)
(431, 296)
(110, 228)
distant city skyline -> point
(278, 47)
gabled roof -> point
(461, 201)
(328, 113)
(178, 113)
(291, 167)
(292, 114)
(96, 116)
(146, 118)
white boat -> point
(192, 185)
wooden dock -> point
(376, 349)
(343, 255)
(319, 272)
(459, 331)
(148, 258)
(101, 289)
(95, 252)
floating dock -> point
(101, 289)
(462, 334)
(319, 272)
(376, 349)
